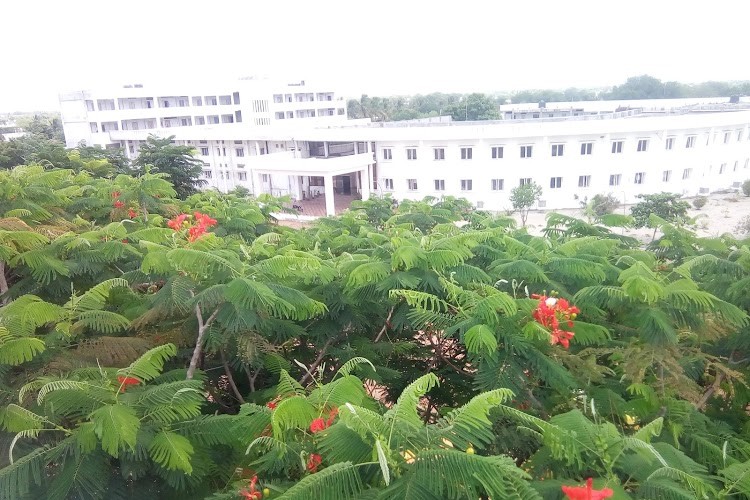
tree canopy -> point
(177, 162)
(160, 348)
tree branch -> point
(202, 328)
(230, 377)
(385, 325)
(709, 392)
(318, 359)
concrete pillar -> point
(330, 206)
(364, 183)
(257, 183)
(325, 149)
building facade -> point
(296, 140)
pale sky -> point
(381, 47)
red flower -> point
(115, 194)
(126, 381)
(251, 493)
(196, 232)
(548, 313)
(118, 204)
(132, 213)
(125, 240)
(586, 492)
(314, 462)
(320, 424)
(317, 425)
(272, 405)
(176, 223)
(204, 220)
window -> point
(727, 137)
(584, 181)
(690, 142)
(641, 176)
(204, 151)
(223, 151)
(439, 184)
(739, 135)
(388, 184)
(498, 184)
(526, 151)
(524, 180)
(278, 98)
(666, 176)
(466, 153)
(497, 152)
(208, 174)
(642, 145)
(387, 154)
(411, 184)
(466, 184)
(240, 165)
(722, 167)
(240, 151)
(242, 176)
(586, 148)
(616, 147)
(687, 173)
(411, 153)
(90, 105)
(614, 179)
(558, 149)
(669, 144)
(439, 153)
(555, 182)
(265, 178)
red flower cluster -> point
(314, 462)
(118, 204)
(549, 312)
(251, 493)
(272, 404)
(320, 424)
(132, 213)
(126, 381)
(586, 492)
(199, 227)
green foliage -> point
(523, 198)
(159, 155)
(388, 352)
(700, 202)
(666, 206)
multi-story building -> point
(276, 140)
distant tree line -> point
(484, 106)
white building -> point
(295, 140)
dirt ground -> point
(720, 215)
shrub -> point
(700, 202)
(743, 226)
(746, 187)
(602, 204)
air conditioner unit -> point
(542, 203)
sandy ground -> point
(720, 215)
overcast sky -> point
(378, 47)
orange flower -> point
(118, 204)
(176, 222)
(251, 493)
(126, 381)
(132, 213)
(314, 462)
(586, 492)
